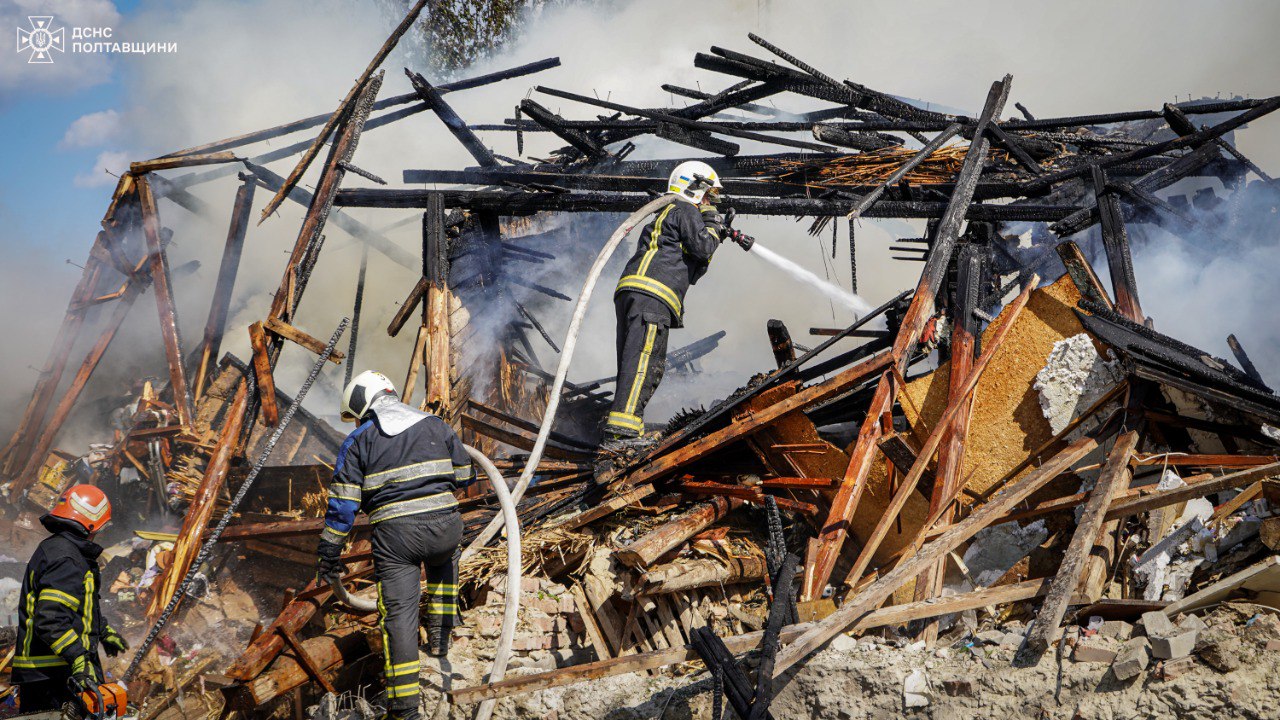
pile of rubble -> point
(1006, 464)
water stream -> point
(838, 295)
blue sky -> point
(40, 202)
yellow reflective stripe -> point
(461, 472)
(416, 471)
(442, 608)
(627, 420)
(642, 368)
(344, 491)
(38, 661)
(653, 240)
(89, 589)
(63, 641)
(31, 615)
(51, 595)
(648, 284)
(399, 691)
(400, 668)
(333, 536)
(382, 627)
(442, 587)
(412, 506)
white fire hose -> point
(512, 610)
(566, 357)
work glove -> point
(712, 219)
(330, 565)
(113, 642)
(84, 677)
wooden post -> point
(435, 315)
(1115, 240)
(784, 351)
(159, 262)
(964, 332)
(1114, 478)
(262, 370)
(222, 289)
(644, 550)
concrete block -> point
(1132, 659)
(1175, 645)
(1157, 624)
(843, 643)
(1224, 655)
(1191, 622)
(990, 637)
(1118, 629)
(915, 690)
(1093, 652)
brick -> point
(1118, 629)
(1157, 624)
(489, 625)
(530, 584)
(1093, 652)
(541, 624)
(958, 688)
(1272, 645)
(1223, 656)
(1132, 659)
(567, 605)
(1173, 646)
(1171, 669)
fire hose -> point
(512, 609)
(566, 357)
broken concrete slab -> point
(1094, 651)
(1224, 655)
(1132, 658)
(915, 690)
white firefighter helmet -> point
(359, 395)
(691, 180)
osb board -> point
(1007, 423)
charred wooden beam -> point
(682, 122)
(519, 439)
(528, 426)
(1115, 240)
(1082, 274)
(697, 139)
(216, 325)
(294, 335)
(524, 203)
(408, 306)
(784, 351)
(355, 317)
(435, 309)
(1243, 358)
(583, 142)
(346, 109)
(686, 575)
(169, 163)
(328, 653)
(1182, 125)
(865, 141)
(431, 96)
(159, 264)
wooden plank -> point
(613, 504)
(1115, 476)
(159, 262)
(293, 334)
(1115, 240)
(740, 429)
(588, 615)
(262, 371)
(883, 587)
(1263, 575)
(1205, 461)
(415, 366)
(1126, 507)
(408, 306)
(343, 111)
(1082, 274)
(1237, 502)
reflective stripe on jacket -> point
(59, 610)
(414, 471)
(672, 253)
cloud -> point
(69, 71)
(109, 165)
(92, 130)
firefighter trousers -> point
(643, 325)
(402, 547)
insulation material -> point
(1007, 423)
(1073, 379)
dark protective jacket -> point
(672, 253)
(390, 475)
(59, 611)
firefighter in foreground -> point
(400, 466)
(673, 252)
(60, 623)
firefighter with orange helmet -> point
(60, 623)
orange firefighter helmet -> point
(84, 504)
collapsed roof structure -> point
(1009, 385)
